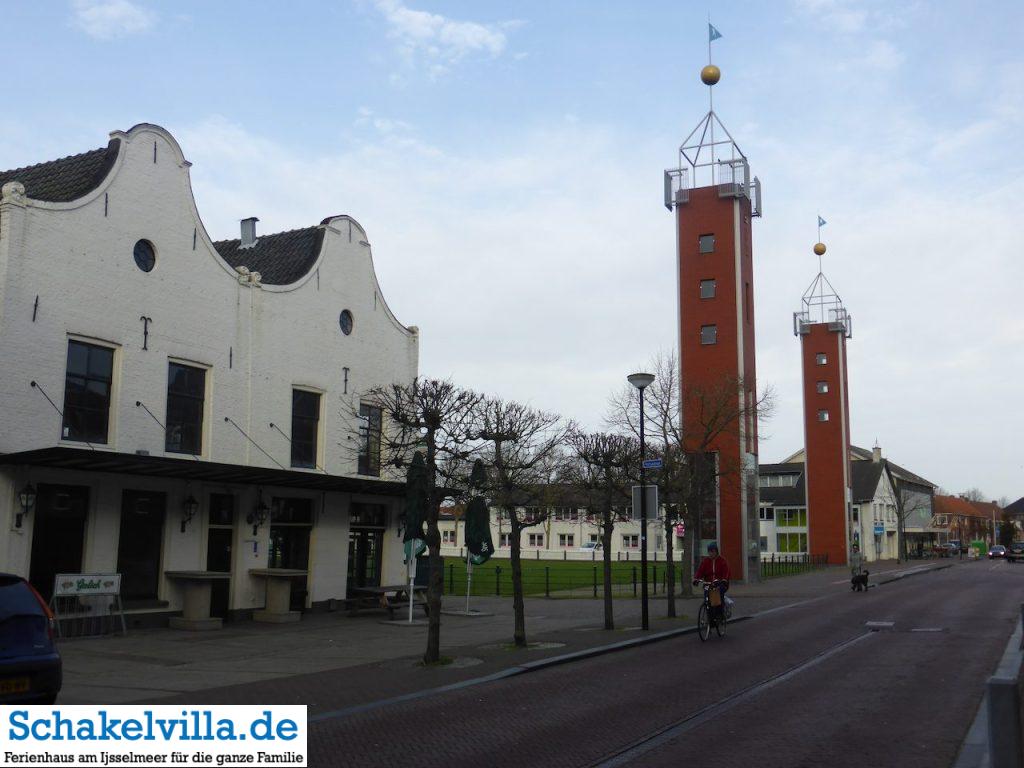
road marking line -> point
(661, 736)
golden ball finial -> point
(819, 249)
(710, 74)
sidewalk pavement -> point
(333, 660)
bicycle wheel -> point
(720, 624)
(703, 623)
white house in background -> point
(178, 405)
(568, 533)
(878, 487)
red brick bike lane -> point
(578, 713)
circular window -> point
(346, 322)
(145, 256)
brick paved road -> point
(896, 698)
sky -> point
(506, 161)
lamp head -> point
(640, 380)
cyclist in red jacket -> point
(714, 567)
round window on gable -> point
(346, 322)
(145, 256)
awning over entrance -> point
(62, 457)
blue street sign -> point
(879, 529)
(652, 463)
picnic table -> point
(390, 598)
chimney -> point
(876, 453)
(249, 232)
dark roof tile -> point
(60, 181)
(281, 258)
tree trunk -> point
(606, 544)
(670, 571)
(518, 607)
(435, 584)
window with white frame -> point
(565, 513)
(505, 540)
(448, 538)
(593, 538)
(566, 540)
(631, 541)
(536, 539)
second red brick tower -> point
(823, 326)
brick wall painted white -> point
(80, 264)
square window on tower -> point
(709, 334)
(822, 387)
(821, 358)
(707, 243)
(822, 415)
(707, 289)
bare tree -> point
(601, 471)
(686, 425)
(521, 446)
(974, 494)
(435, 416)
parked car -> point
(30, 666)
(996, 551)
(1016, 552)
(590, 546)
(949, 549)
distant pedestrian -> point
(856, 561)
(962, 549)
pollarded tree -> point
(433, 416)
(601, 469)
(522, 448)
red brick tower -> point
(714, 201)
(824, 325)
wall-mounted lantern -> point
(27, 497)
(188, 511)
(258, 516)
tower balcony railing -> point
(836, 317)
(731, 177)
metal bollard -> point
(654, 578)
(1004, 741)
(451, 578)
(497, 580)
(634, 581)
(547, 581)
(595, 584)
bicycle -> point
(713, 611)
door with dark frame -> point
(365, 544)
(219, 540)
(58, 534)
(140, 545)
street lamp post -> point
(641, 381)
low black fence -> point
(787, 565)
(579, 580)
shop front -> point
(189, 538)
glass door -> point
(140, 545)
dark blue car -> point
(30, 667)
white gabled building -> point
(179, 405)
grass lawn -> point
(567, 577)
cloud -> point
(437, 42)
(882, 55)
(110, 19)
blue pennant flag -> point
(821, 222)
(713, 34)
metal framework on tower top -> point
(705, 160)
(821, 304)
